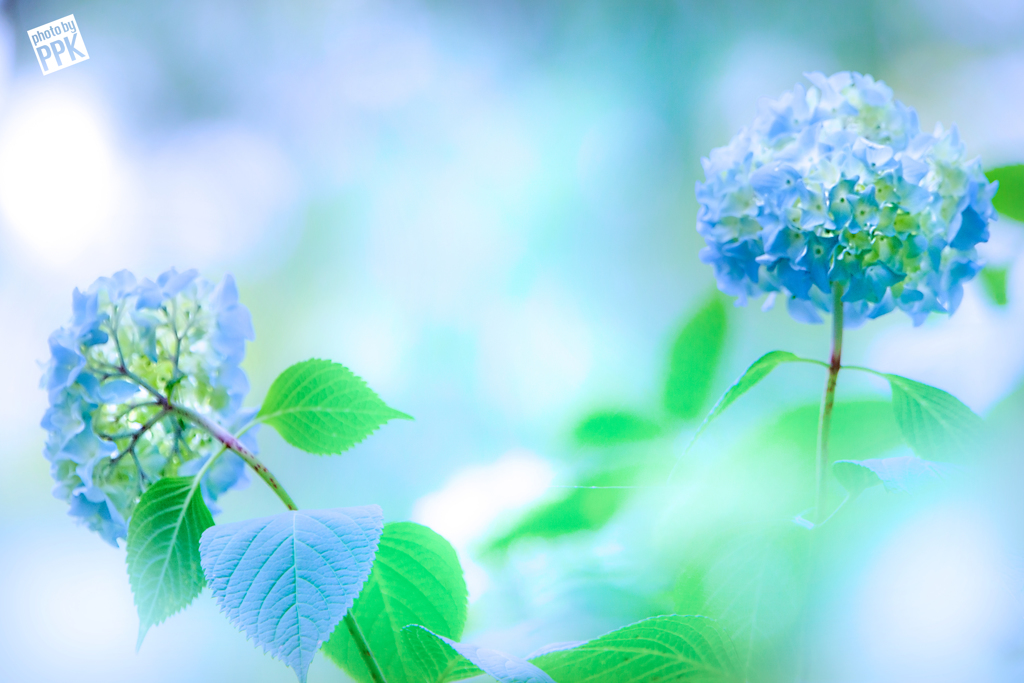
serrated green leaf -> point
(904, 473)
(694, 360)
(582, 509)
(1009, 199)
(935, 423)
(993, 281)
(163, 549)
(668, 649)
(615, 427)
(322, 407)
(443, 659)
(416, 579)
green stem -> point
(231, 442)
(364, 649)
(821, 475)
(827, 401)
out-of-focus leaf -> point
(935, 423)
(993, 281)
(322, 407)
(670, 649)
(615, 427)
(288, 580)
(582, 509)
(753, 586)
(860, 428)
(757, 371)
(416, 579)
(694, 360)
(163, 549)
(1009, 199)
(898, 474)
(443, 659)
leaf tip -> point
(143, 629)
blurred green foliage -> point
(693, 363)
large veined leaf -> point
(903, 473)
(443, 659)
(935, 423)
(1009, 199)
(753, 585)
(694, 360)
(615, 427)
(163, 549)
(416, 579)
(322, 407)
(668, 649)
(287, 580)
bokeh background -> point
(486, 210)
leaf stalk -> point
(827, 401)
(364, 648)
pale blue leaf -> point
(434, 650)
(287, 580)
(936, 424)
(899, 474)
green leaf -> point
(668, 649)
(615, 427)
(163, 549)
(753, 586)
(993, 281)
(1009, 199)
(898, 474)
(322, 407)
(935, 423)
(797, 428)
(694, 360)
(757, 371)
(444, 659)
(583, 509)
(416, 579)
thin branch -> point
(232, 442)
(138, 435)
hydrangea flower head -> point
(836, 186)
(180, 337)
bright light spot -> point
(934, 604)
(59, 180)
(464, 509)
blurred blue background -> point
(486, 210)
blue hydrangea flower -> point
(106, 436)
(836, 185)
